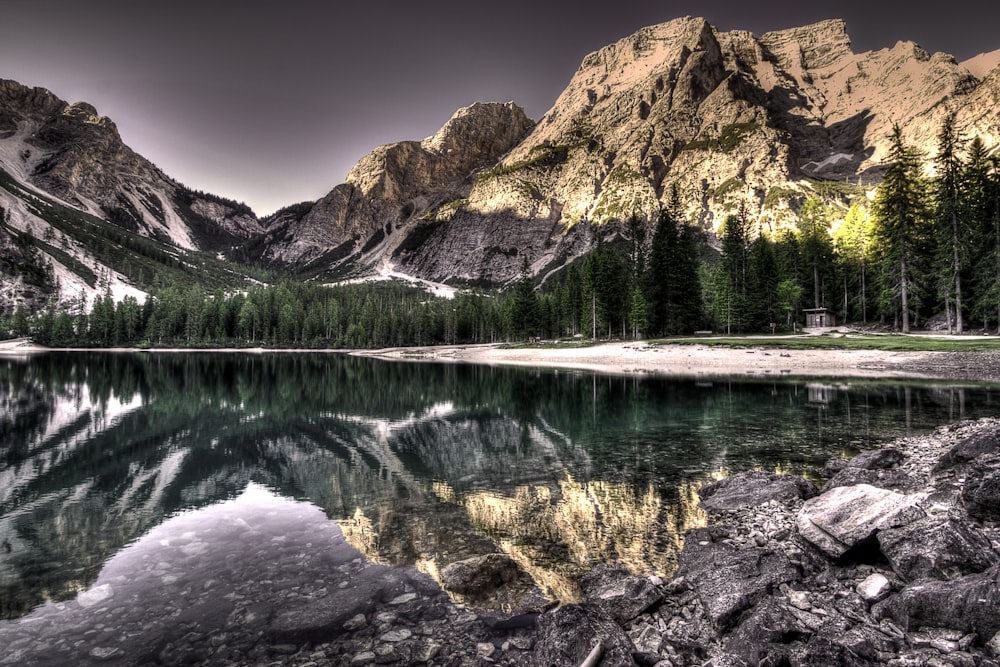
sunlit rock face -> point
(389, 189)
(730, 118)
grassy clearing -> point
(888, 343)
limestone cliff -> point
(730, 118)
(389, 189)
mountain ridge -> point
(728, 118)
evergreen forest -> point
(925, 244)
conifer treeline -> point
(923, 246)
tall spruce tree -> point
(901, 214)
(951, 225)
(733, 279)
(981, 206)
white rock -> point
(846, 516)
(874, 588)
(398, 635)
(364, 658)
(95, 595)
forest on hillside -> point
(921, 247)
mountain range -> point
(730, 118)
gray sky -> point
(272, 104)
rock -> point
(822, 651)
(750, 489)
(969, 604)
(893, 480)
(95, 595)
(621, 594)
(981, 493)
(874, 587)
(936, 548)
(728, 580)
(567, 635)
(832, 467)
(877, 459)
(479, 576)
(762, 633)
(847, 516)
(355, 623)
(985, 441)
(993, 646)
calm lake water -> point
(134, 480)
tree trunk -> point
(904, 296)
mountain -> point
(728, 117)
(95, 209)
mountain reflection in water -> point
(420, 464)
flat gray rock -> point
(893, 480)
(750, 489)
(567, 635)
(618, 592)
(936, 548)
(968, 604)
(847, 516)
(728, 580)
(981, 493)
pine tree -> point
(524, 314)
(901, 216)
(732, 283)
(951, 225)
(816, 245)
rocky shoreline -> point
(896, 562)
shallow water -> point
(153, 503)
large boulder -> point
(478, 577)
(891, 479)
(981, 493)
(849, 516)
(727, 580)
(618, 592)
(936, 548)
(877, 459)
(567, 635)
(750, 489)
(979, 443)
(968, 604)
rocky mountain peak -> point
(810, 47)
(390, 190)
(481, 128)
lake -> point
(137, 487)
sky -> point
(273, 103)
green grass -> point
(888, 343)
